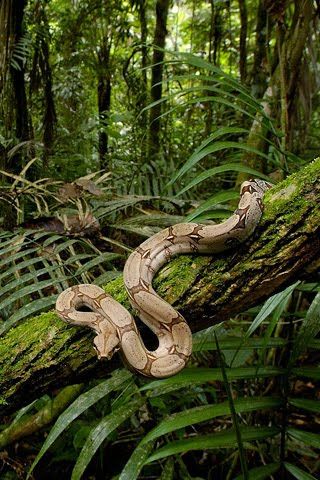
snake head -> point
(262, 184)
(106, 344)
(255, 186)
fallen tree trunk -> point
(44, 353)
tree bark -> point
(160, 33)
(259, 71)
(17, 105)
(243, 40)
(43, 353)
(104, 99)
(292, 52)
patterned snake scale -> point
(115, 326)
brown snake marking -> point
(115, 326)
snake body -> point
(115, 326)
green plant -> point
(258, 409)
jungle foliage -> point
(117, 119)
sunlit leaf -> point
(192, 376)
(269, 306)
(216, 199)
(309, 329)
(224, 439)
(204, 413)
(228, 167)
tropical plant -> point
(260, 424)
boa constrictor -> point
(115, 326)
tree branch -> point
(43, 353)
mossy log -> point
(43, 353)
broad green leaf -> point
(27, 310)
(104, 209)
(192, 376)
(80, 405)
(236, 105)
(228, 167)
(309, 287)
(220, 132)
(206, 412)
(310, 372)
(269, 306)
(311, 439)
(200, 63)
(63, 246)
(155, 103)
(99, 433)
(242, 103)
(168, 472)
(158, 220)
(34, 287)
(26, 277)
(224, 439)
(213, 201)
(216, 214)
(315, 344)
(101, 258)
(261, 473)
(298, 473)
(233, 412)
(21, 266)
(216, 147)
(136, 461)
(305, 404)
(229, 343)
(309, 329)
(16, 256)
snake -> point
(88, 305)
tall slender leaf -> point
(298, 473)
(81, 404)
(224, 439)
(99, 433)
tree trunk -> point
(259, 71)
(291, 52)
(43, 353)
(160, 33)
(17, 105)
(243, 40)
(143, 97)
(104, 99)
(215, 37)
(41, 77)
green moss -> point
(45, 335)
(170, 282)
(175, 277)
(288, 197)
(117, 290)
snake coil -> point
(115, 326)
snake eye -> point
(246, 187)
